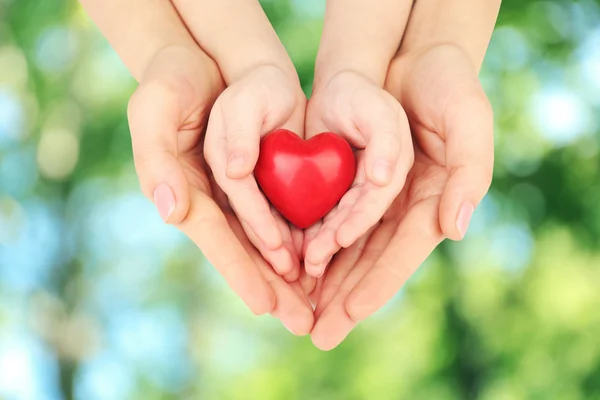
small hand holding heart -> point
(304, 180)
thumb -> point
(242, 125)
(469, 129)
(153, 115)
(383, 124)
(242, 151)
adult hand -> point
(167, 116)
(452, 127)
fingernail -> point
(164, 200)
(464, 218)
(236, 161)
(382, 171)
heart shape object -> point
(304, 179)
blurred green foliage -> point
(100, 300)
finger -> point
(333, 322)
(298, 241)
(316, 292)
(468, 127)
(291, 308)
(307, 282)
(244, 195)
(367, 249)
(209, 229)
(326, 333)
(291, 271)
(154, 121)
(417, 235)
(280, 260)
(372, 203)
(324, 245)
(309, 234)
(384, 125)
(243, 113)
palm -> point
(441, 96)
(174, 102)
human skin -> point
(167, 113)
(263, 94)
(359, 40)
(434, 76)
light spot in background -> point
(28, 370)
(557, 16)
(531, 198)
(13, 67)
(12, 219)
(126, 226)
(589, 61)
(585, 15)
(28, 261)
(508, 51)
(524, 155)
(312, 8)
(64, 114)
(232, 350)
(12, 117)
(511, 246)
(56, 49)
(484, 216)
(107, 376)
(561, 115)
(18, 172)
(155, 340)
(58, 153)
(102, 77)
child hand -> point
(374, 122)
(262, 100)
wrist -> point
(467, 25)
(278, 63)
(184, 67)
(331, 63)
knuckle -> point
(238, 138)
(208, 218)
(167, 89)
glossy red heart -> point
(304, 179)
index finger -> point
(208, 228)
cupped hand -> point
(372, 121)
(167, 116)
(452, 127)
(262, 100)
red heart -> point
(304, 179)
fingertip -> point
(238, 166)
(345, 238)
(315, 270)
(357, 311)
(463, 218)
(172, 208)
(332, 327)
(381, 172)
(265, 304)
(324, 343)
(164, 200)
(292, 276)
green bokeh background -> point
(100, 300)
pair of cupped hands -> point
(424, 161)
